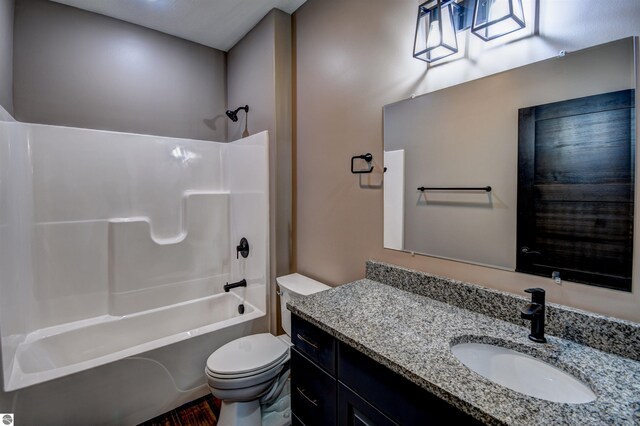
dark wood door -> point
(576, 189)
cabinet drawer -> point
(315, 344)
(313, 392)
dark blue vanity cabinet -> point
(314, 384)
(334, 384)
(313, 392)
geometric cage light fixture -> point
(440, 20)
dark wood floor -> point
(201, 412)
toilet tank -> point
(292, 286)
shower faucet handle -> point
(242, 248)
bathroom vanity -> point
(335, 381)
(378, 351)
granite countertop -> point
(412, 335)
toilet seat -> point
(226, 376)
(243, 382)
(247, 356)
(245, 368)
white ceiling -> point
(214, 23)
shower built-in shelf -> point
(148, 272)
(191, 215)
(122, 258)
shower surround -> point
(115, 247)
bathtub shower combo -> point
(113, 245)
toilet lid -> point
(247, 354)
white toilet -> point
(251, 372)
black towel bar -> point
(481, 188)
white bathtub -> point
(114, 249)
(58, 351)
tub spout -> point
(241, 283)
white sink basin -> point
(523, 373)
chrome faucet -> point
(534, 311)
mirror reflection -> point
(455, 142)
(575, 189)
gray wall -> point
(6, 54)
(80, 69)
(259, 74)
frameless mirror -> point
(443, 149)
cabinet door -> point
(313, 392)
(399, 399)
(355, 411)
